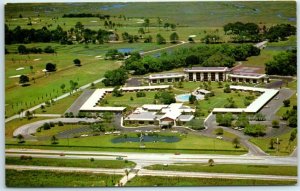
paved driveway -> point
(29, 129)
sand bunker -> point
(21, 68)
(16, 76)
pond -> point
(113, 6)
(146, 138)
(125, 50)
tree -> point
(20, 138)
(43, 108)
(117, 92)
(166, 26)
(166, 97)
(77, 62)
(275, 124)
(286, 103)
(127, 173)
(192, 99)
(173, 26)
(160, 39)
(255, 130)
(236, 142)
(219, 131)
(174, 37)
(50, 67)
(46, 126)
(115, 77)
(219, 59)
(28, 114)
(73, 86)
(284, 63)
(31, 68)
(62, 87)
(49, 49)
(272, 141)
(141, 31)
(191, 60)
(211, 162)
(54, 140)
(159, 22)
(147, 23)
(22, 49)
(23, 79)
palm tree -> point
(236, 142)
(20, 138)
(127, 173)
(54, 140)
(211, 162)
(147, 23)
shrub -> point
(92, 159)
(255, 130)
(219, 131)
(275, 124)
(51, 124)
(286, 103)
(60, 123)
(46, 126)
(140, 94)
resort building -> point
(206, 73)
(165, 78)
(92, 103)
(175, 114)
(256, 105)
(237, 74)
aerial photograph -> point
(150, 94)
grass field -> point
(293, 99)
(226, 134)
(195, 13)
(180, 181)
(188, 144)
(284, 148)
(33, 178)
(85, 163)
(55, 130)
(230, 168)
(60, 106)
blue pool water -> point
(183, 97)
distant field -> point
(195, 13)
(41, 178)
(183, 181)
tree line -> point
(251, 32)
(82, 15)
(78, 33)
(284, 63)
(24, 50)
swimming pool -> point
(186, 97)
(183, 97)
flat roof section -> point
(256, 105)
(206, 69)
(248, 75)
(166, 75)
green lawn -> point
(126, 101)
(33, 178)
(180, 181)
(188, 144)
(230, 168)
(284, 147)
(226, 134)
(57, 129)
(60, 106)
(85, 163)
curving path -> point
(29, 129)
